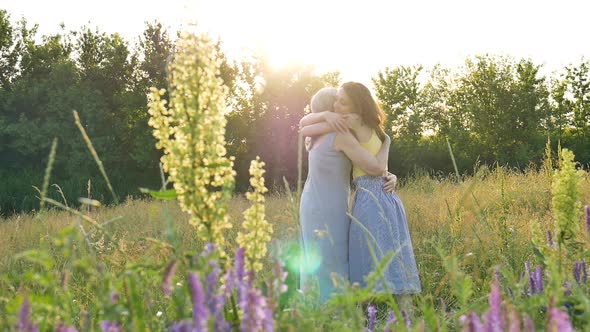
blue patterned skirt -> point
(379, 223)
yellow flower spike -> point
(256, 228)
(191, 133)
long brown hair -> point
(366, 106)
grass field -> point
(484, 222)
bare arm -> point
(372, 165)
(383, 154)
(311, 118)
(335, 120)
(325, 127)
(316, 129)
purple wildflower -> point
(577, 269)
(253, 305)
(215, 301)
(372, 313)
(279, 285)
(108, 326)
(392, 319)
(529, 325)
(114, 297)
(584, 272)
(239, 264)
(230, 282)
(587, 209)
(532, 286)
(168, 275)
(494, 315)
(24, 324)
(268, 322)
(211, 298)
(200, 313)
(471, 323)
(183, 326)
(514, 322)
(558, 321)
(209, 249)
(406, 317)
(64, 328)
(539, 279)
(549, 238)
(242, 283)
(568, 288)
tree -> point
(400, 94)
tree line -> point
(491, 110)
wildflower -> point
(64, 328)
(257, 230)
(539, 279)
(391, 319)
(549, 238)
(577, 270)
(371, 312)
(240, 272)
(532, 282)
(255, 317)
(190, 131)
(211, 298)
(514, 321)
(209, 249)
(214, 300)
(471, 323)
(535, 279)
(558, 321)
(568, 288)
(168, 275)
(494, 315)
(566, 198)
(108, 326)
(200, 313)
(114, 297)
(406, 317)
(24, 324)
(183, 326)
(529, 325)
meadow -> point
(479, 225)
(503, 249)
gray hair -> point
(324, 100)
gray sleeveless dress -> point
(323, 219)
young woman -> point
(379, 223)
(324, 201)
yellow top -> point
(372, 145)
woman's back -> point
(324, 223)
(328, 170)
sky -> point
(358, 38)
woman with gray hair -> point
(324, 201)
(379, 224)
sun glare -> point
(285, 32)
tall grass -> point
(483, 221)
